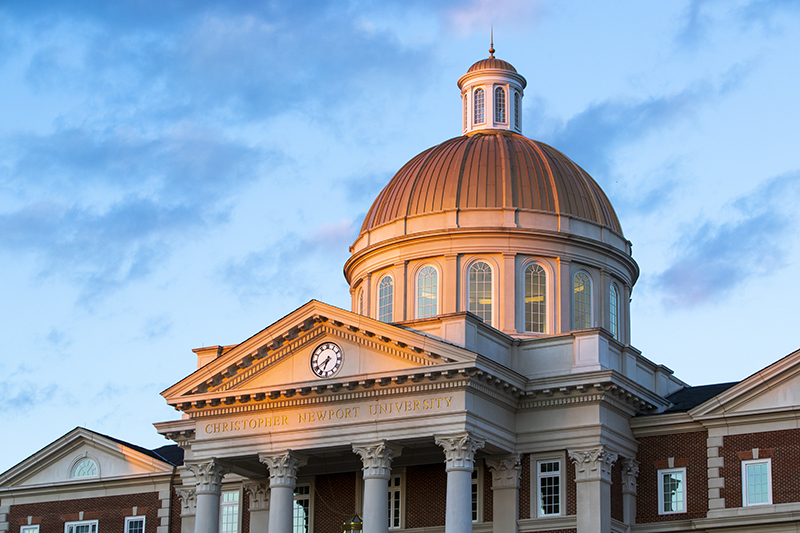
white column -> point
(208, 486)
(630, 475)
(593, 480)
(459, 453)
(282, 480)
(259, 506)
(377, 461)
(188, 508)
(505, 492)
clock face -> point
(326, 360)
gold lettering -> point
(348, 413)
(209, 427)
(426, 403)
(302, 418)
(438, 402)
(447, 399)
(355, 409)
(416, 405)
(375, 409)
(225, 426)
(398, 405)
(285, 420)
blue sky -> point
(181, 174)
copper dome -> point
(491, 169)
(491, 62)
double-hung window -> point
(395, 501)
(301, 512)
(548, 487)
(84, 526)
(672, 491)
(29, 529)
(228, 512)
(757, 482)
(134, 524)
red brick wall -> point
(488, 495)
(108, 510)
(783, 446)
(245, 512)
(426, 495)
(525, 486)
(617, 512)
(688, 448)
(174, 512)
(572, 488)
(334, 501)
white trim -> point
(310, 485)
(129, 519)
(77, 460)
(223, 504)
(478, 480)
(660, 483)
(378, 281)
(549, 277)
(29, 529)
(494, 269)
(745, 481)
(402, 490)
(591, 298)
(415, 298)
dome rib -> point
(491, 170)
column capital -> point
(505, 471)
(208, 475)
(630, 474)
(259, 495)
(459, 451)
(593, 464)
(377, 458)
(283, 467)
(188, 500)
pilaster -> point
(449, 283)
(715, 463)
(507, 299)
(259, 506)
(400, 311)
(593, 484)
(505, 492)
(188, 508)
(630, 475)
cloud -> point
(715, 259)
(695, 25)
(291, 266)
(156, 327)
(20, 397)
(476, 15)
(58, 338)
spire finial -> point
(491, 45)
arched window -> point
(500, 104)
(480, 111)
(385, 299)
(480, 290)
(427, 292)
(516, 109)
(582, 301)
(535, 299)
(84, 468)
(613, 303)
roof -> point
(491, 169)
(690, 397)
(491, 63)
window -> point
(548, 487)
(134, 524)
(480, 290)
(480, 114)
(395, 500)
(427, 292)
(582, 301)
(302, 509)
(476, 487)
(535, 299)
(84, 526)
(229, 512)
(516, 109)
(29, 529)
(385, 299)
(672, 491)
(757, 482)
(84, 468)
(613, 304)
(499, 105)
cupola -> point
(491, 96)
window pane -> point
(549, 488)
(229, 512)
(535, 302)
(757, 483)
(582, 313)
(613, 299)
(516, 109)
(480, 291)
(84, 468)
(480, 116)
(500, 104)
(427, 292)
(136, 526)
(385, 289)
(300, 510)
(672, 484)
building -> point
(482, 380)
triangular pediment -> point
(774, 389)
(279, 358)
(54, 463)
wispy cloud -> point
(714, 259)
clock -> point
(326, 360)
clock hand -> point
(325, 363)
